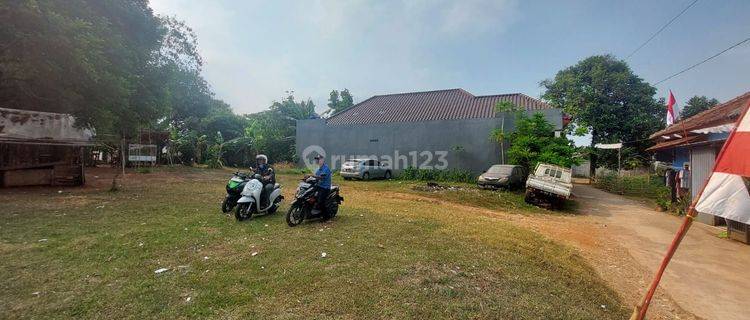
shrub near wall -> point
(449, 175)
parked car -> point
(502, 176)
(364, 169)
(549, 184)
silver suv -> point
(364, 169)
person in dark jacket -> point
(267, 177)
(671, 182)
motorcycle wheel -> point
(242, 212)
(294, 216)
(332, 209)
(226, 206)
(275, 206)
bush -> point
(214, 157)
(450, 175)
(534, 141)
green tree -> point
(338, 102)
(215, 152)
(605, 98)
(111, 63)
(88, 58)
(697, 104)
(272, 131)
(534, 141)
(347, 100)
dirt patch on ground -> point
(435, 187)
(100, 179)
(590, 237)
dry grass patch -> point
(386, 257)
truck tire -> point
(529, 197)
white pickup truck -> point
(549, 183)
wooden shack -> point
(41, 148)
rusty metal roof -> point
(430, 105)
(35, 127)
(723, 113)
(676, 142)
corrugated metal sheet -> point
(702, 160)
(430, 105)
(676, 142)
(26, 126)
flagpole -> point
(640, 311)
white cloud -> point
(474, 16)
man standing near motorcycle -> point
(323, 174)
(268, 177)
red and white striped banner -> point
(727, 192)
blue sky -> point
(256, 50)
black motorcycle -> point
(305, 204)
(234, 190)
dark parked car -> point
(503, 176)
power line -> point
(660, 30)
(704, 61)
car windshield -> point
(500, 169)
(351, 163)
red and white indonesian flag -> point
(670, 109)
(727, 192)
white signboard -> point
(142, 152)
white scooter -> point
(250, 203)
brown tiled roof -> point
(430, 105)
(724, 113)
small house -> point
(41, 148)
(697, 141)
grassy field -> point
(391, 253)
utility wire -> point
(704, 61)
(660, 30)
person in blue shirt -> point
(323, 174)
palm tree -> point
(498, 135)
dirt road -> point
(708, 275)
(624, 240)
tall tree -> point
(498, 135)
(337, 102)
(80, 57)
(347, 100)
(272, 131)
(334, 101)
(606, 99)
(697, 104)
(108, 62)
